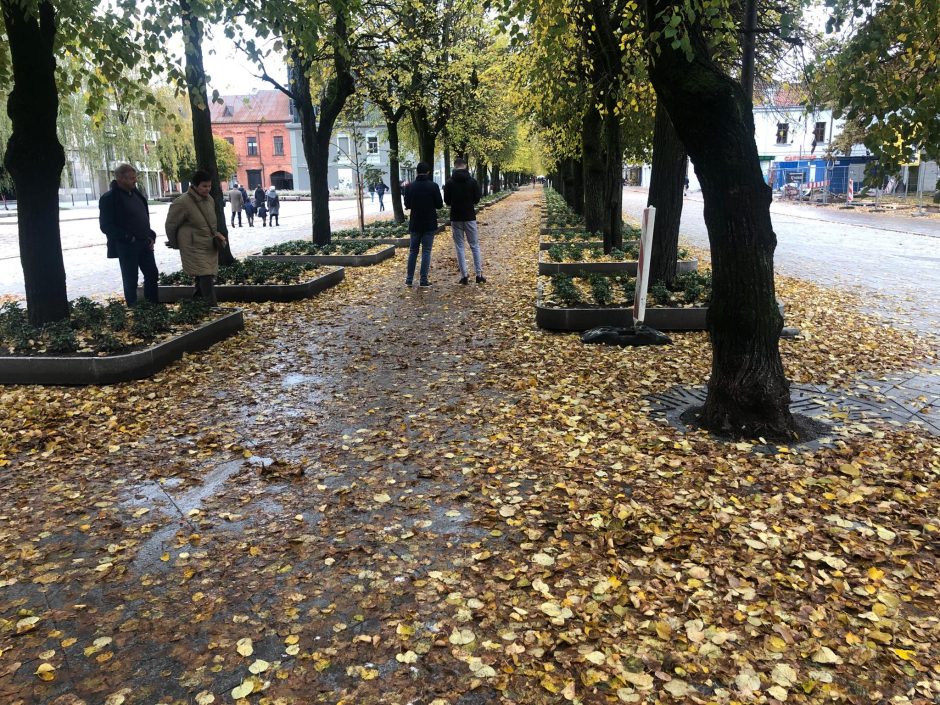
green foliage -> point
(251, 271)
(60, 337)
(565, 290)
(116, 313)
(189, 311)
(150, 320)
(15, 330)
(601, 289)
(87, 313)
(306, 247)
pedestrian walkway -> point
(388, 495)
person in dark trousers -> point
(422, 198)
(250, 212)
(124, 218)
(380, 189)
(261, 206)
(274, 206)
(462, 193)
(237, 200)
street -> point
(892, 260)
(90, 273)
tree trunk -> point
(35, 158)
(203, 142)
(303, 100)
(748, 393)
(613, 183)
(394, 172)
(446, 162)
(481, 176)
(577, 185)
(426, 136)
(495, 181)
(667, 183)
(595, 174)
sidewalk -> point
(390, 496)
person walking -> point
(250, 212)
(191, 228)
(462, 193)
(380, 189)
(260, 206)
(274, 206)
(422, 198)
(124, 217)
(237, 200)
(372, 192)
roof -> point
(260, 106)
(784, 95)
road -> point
(91, 273)
(892, 260)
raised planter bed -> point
(582, 318)
(247, 293)
(396, 241)
(79, 370)
(627, 266)
(548, 244)
(344, 260)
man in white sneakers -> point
(462, 193)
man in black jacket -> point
(422, 198)
(462, 193)
(124, 218)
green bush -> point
(556, 253)
(250, 271)
(116, 313)
(60, 337)
(104, 341)
(565, 290)
(86, 313)
(15, 330)
(150, 320)
(190, 311)
(601, 289)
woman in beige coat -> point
(191, 227)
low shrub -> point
(251, 271)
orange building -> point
(255, 125)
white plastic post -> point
(643, 264)
(851, 193)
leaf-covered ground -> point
(394, 496)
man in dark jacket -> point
(422, 198)
(462, 193)
(124, 218)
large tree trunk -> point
(35, 158)
(577, 185)
(446, 161)
(427, 138)
(299, 85)
(481, 176)
(613, 183)
(748, 393)
(666, 186)
(203, 142)
(495, 181)
(595, 173)
(394, 171)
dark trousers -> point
(381, 201)
(133, 256)
(422, 242)
(205, 289)
(274, 217)
(239, 214)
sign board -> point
(794, 177)
(643, 264)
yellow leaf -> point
(663, 630)
(543, 559)
(45, 672)
(905, 654)
(407, 657)
(259, 666)
(244, 647)
(205, 698)
(243, 690)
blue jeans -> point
(424, 241)
(133, 256)
(468, 229)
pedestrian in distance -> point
(685, 186)
(250, 212)
(244, 193)
(260, 205)
(422, 198)
(124, 217)
(191, 227)
(238, 201)
(462, 193)
(259, 196)
(274, 206)
(372, 193)
(380, 189)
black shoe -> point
(464, 280)
(409, 284)
(481, 279)
(424, 285)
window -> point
(230, 140)
(342, 146)
(782, 130)
(278, 146)
(819, 134)
(373, 143)
(252, 147)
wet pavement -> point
(892, 260)
(345, 484)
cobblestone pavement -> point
(898, 271)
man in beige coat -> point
(237, 200)
(191, 228)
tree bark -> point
(495, 178)
(666, 186)
(203, 142)
(446, 162)
(35, 158)
(394, 171)
(427, 138)
(595, 173)
(481, 176)
(577, 185)
(748, 393)
(613, 182)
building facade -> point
(256, 125)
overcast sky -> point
(230, 72)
